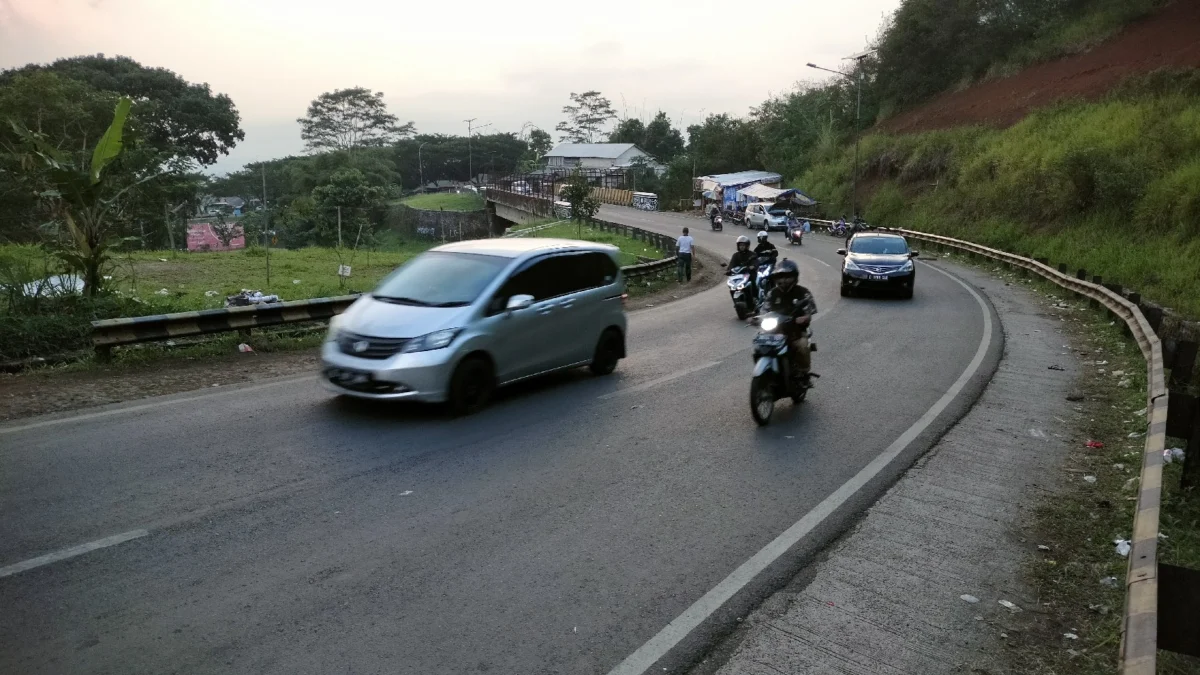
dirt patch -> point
(1167, 39)
(51, 390)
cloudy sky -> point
(504, 62)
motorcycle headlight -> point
(907, 266)
(437, 340)
(851, 266)
(770, 323)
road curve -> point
(273, 529)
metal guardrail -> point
(111, 333)
(1139, 634)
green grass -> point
(631, 249)
(1111, 187)
(445, 201)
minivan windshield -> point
(879, 245)
(440, 279)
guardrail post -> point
(104, 353)
(1182, 363)
(1062, 268)
(1081, 274)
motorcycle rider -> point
(765, 247)
(795, 304)
(792, 225)
(743, 257)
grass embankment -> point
(1080, 580)
(1112, 187)
(445, 201)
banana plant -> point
(82, 196)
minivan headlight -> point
(436, 340)
(851, 266)
(907, 267)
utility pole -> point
(421, 165)
(266, 224)
(858, 78)
(470, 154)
(339, 209)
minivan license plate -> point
(878, 277)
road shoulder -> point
(889, 595)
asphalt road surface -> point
(579, 525)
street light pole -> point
(421, 165)
(857, 121)
(470, 152)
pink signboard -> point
(202, 237)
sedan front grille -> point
(367, 347)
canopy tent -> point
(761, 193)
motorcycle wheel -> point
(762, 399)
(797, 399)
(741, 313)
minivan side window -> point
(536, 280)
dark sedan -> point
(878, 261)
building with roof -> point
(597, 156)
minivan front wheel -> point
(471, 386)
(608, 352)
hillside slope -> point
(1167, 39)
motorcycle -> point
(795, 236)
(718, 224)
(765, 263)
(740, 291)
(773, 379)
(839, 230)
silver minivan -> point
(461, 319)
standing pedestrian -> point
(684, 252)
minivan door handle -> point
(546, 309)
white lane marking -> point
(658, 646)
(147, 406)
(71, 552)
(819, 260)
(660, 380)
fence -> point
(1161, 607)
(431, 225)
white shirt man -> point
(684, 253)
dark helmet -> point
(786, 274)
(743, 240)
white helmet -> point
(762, 236)
(743, 240)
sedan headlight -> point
(437, 340)
(852, 267)
(907, 266)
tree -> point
(585, 117)
(350, 196)
(659, 139)
(81, 196)
(724, 144)
(578, 193)
(174, 117)
(347, 119)
(540, 143)
(226, 231)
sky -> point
(506, 63)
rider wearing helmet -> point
(765, 247)
(744, 256)
(795, 305)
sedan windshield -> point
(440, 279)
(879, 246)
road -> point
(274, 529)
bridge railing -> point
(1143, 585)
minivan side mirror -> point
(519, 302)
(913, 254)
(841, 251)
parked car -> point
(879, 261)
(766, 216)
(458, 321)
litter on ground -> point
(1009, 606)
(245, 348)
(1123, 547)
(1089, 479)
(969, 598)
(1110, 582)
(1096, 445)
(1172, 455)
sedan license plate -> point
(878, 277)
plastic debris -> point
(248, 297)
(1123, 547)
(1089, 479)
(1172, 455)
(406, 493)
(969, 598)
(1110, 582)
(1095, 445)
(1043, 547)
(1070, 636)
(245, 348)
(1119, 467)
(1118, 373)
(211, 294)
(1125, 384)
(1056, 367)
(1140, 412)
(1131, 483)
(162, 291)
(162, 260)
(1162, 536)
(296, 282)
(1009, 606)
(1137, 434)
